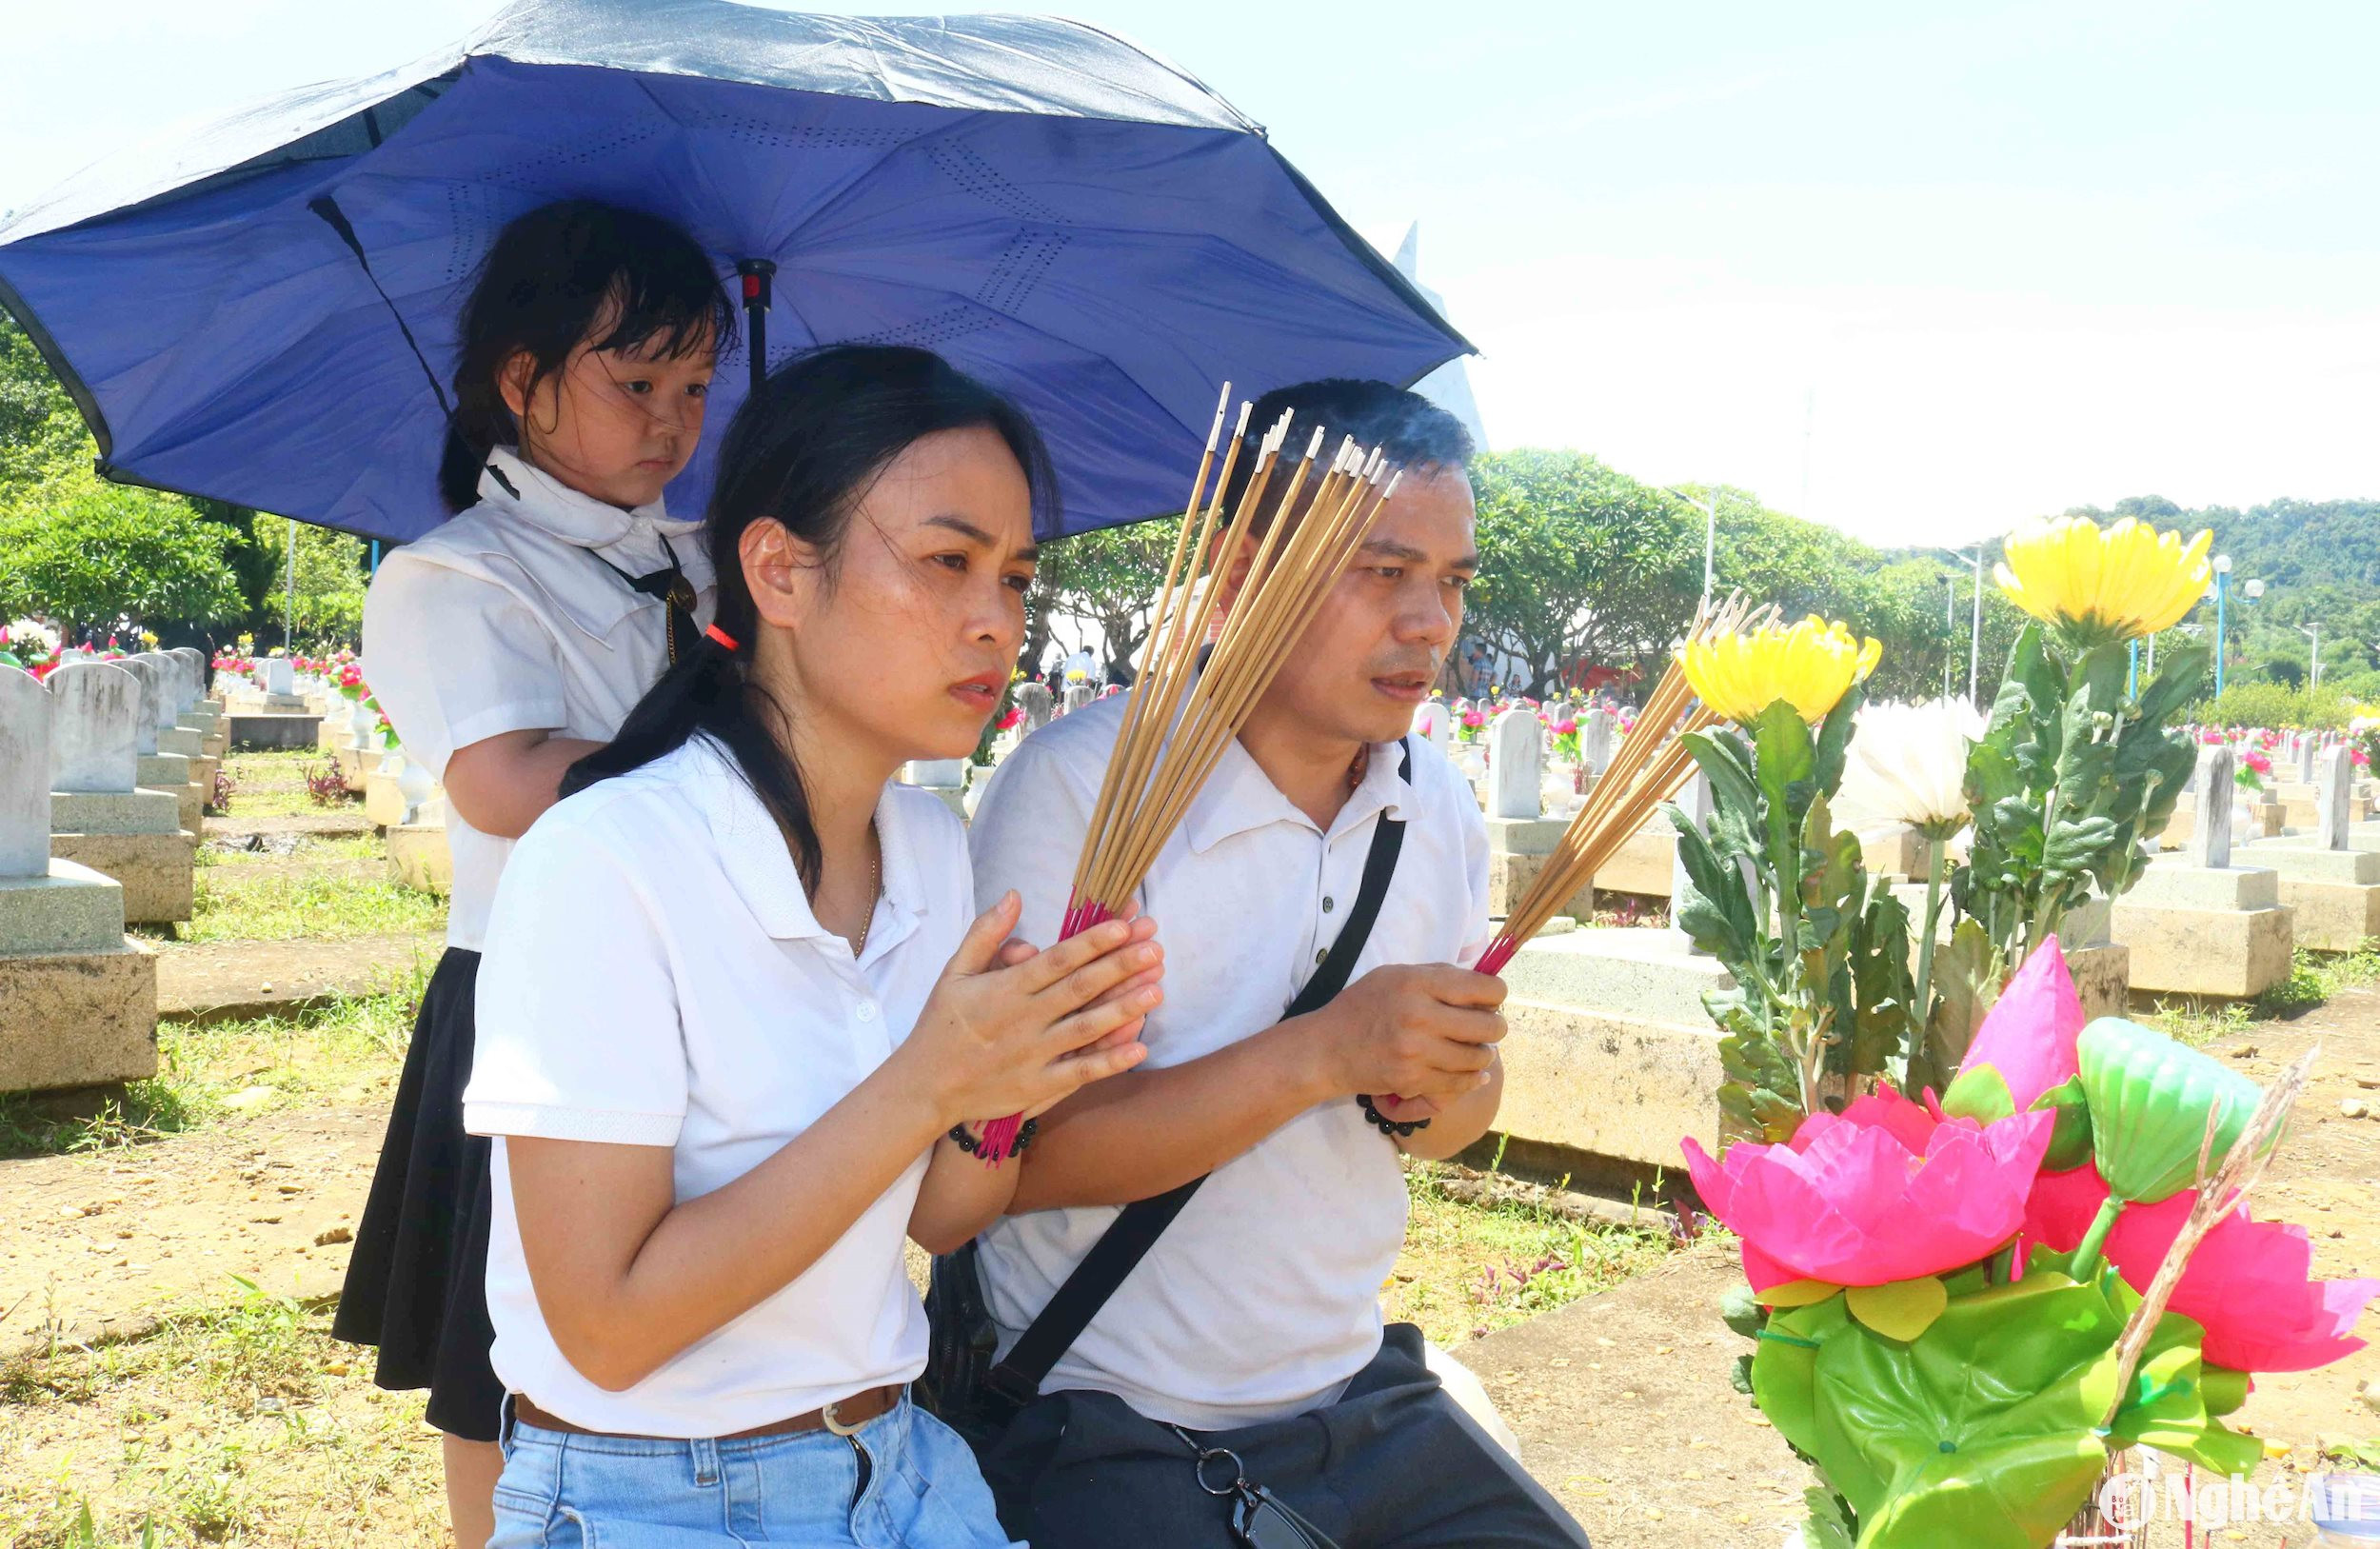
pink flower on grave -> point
(2027, 1042)
(1881, 1192)
(2250, 1285)
(2357, 757)
(2259, 763)
(1474, 720)
(1567, 727)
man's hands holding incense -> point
(1425, 1032)
(1013, 1030)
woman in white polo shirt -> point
(738, 1021)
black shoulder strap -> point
(1135, 1231)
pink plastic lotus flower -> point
(2249, 1283)
(1883, 1192)
(2029, 1037)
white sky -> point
(1972, 262)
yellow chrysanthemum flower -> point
(1811, 664)
(2093, 586)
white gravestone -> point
(277, 676)
(24, 776)
(153, 689)
(1077, 695)
(96, 716)
(2307, 752)
(1596, 730)
(1515, 765)
(1035, 700)
(2210, 828)
(2333, 784)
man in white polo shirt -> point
(1252, 1324)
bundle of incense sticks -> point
(1647, 769)
(1184, 712)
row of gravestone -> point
(83, 732)
(1517, 745)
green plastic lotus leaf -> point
(1980, 1432)
(2150, 1103)
(2069, 1142)
(2175, 1396)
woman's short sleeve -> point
(578, 1037)
(456, 659)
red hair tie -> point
(721, 635)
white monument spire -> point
(1449, 387)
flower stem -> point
(2086, 1262)
(1921, 1006)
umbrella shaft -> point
(757, 273)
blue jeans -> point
(905, 1481)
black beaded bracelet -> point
(1383, 1123)
(966, 1141)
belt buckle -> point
(826, 1417)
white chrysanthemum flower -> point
(1908, 763)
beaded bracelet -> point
(1385, 1124)
(966, 1141)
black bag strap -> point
(1135, 1231)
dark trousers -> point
(1393, 1465)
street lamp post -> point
(1949, 631)
(1975, 643)
(1710, 537)
(2313, 669)
(2222, 589)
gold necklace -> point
(875, 891)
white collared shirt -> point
(655, 977)
(505, 620)
(1263, 1299)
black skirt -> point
(417, 1282)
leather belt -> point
(841, 1417)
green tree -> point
(1111, 579)
(330, 580)
(41, 436)
(1578, 563)
(89, 554)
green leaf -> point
(1829, 1525)
(1741, 1311)
(1782, 760)
(1926, 1451)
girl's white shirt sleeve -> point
(456, 659)
(577, 1013)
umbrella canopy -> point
(264, 313)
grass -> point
(345, 1053)
(1469, 1269)
(298, 907)
(273, 784)
(240, 1422)
(306, 848)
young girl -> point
(504, 646)
(736, 1029)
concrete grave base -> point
(418, 857)
(1524, 836)
(113, 812)
(258, 731)
(179, 740)
(1898, 851)
(2335, 894)
(1509, 878)
(384, 804)
(162, 771)
(1644, 863)
(2205, 931)
(78, 1019)
(333, 734)
(2176, 834)
(1608, 1053)
(1606, 1084)
(157, 871)
(73, 909)
(353, 767)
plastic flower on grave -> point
(1811, 664)
(1881, 1193)
(1909, 765)
(2094, 585)
(1013, 719)
(1076, 675)
(2027, 1047)
(2254, 768)
(2250, 1285)
(2360, 759)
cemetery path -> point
(1622, 1400)
(101, 1241)
(213, 980)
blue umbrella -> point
(265, 312)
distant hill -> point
(2294, 544)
